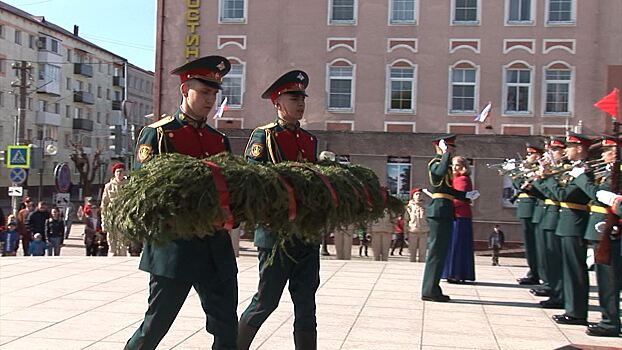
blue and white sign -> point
(18, 175)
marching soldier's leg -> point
(219, 299)
(575, 277)
(272, 279)
(608, 278)
(438, 241)
(166, 296)
(303, 283)
(530, 251)
(555, 263)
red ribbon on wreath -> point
(223, 193)
(292, 198)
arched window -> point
(340, 85)
(463, 81)
(233, 84)
(557, 88)
(517, 89)
(401, 85)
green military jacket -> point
(572, 221)
(440, 179)
(209, 257)
(274, 143)
(550, 215)
(525, 203)
(597, 209)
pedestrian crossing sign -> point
(18, 157)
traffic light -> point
(116, 139)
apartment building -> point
(75, 92)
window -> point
(68, 111)
(18, 37)
(519, 11)
(108, 94)
(99, 91)
(518, 89)
(401, 90)
(465, 11)
(559, 11)
(1, 31)
(402, 12)
(57, 108)
(342, 11)
(31, 41)
(54, 47)
(340, 96)
(398, 176)
(557, 90)
(233, 11)
(68, 82)
(68, 55)
(233, 86)
(90, 88)
(463, 82)
(2, 65)
(43, 106)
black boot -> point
(246, 334)
(304, 340)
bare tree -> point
(86, 167)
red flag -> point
(609, 103)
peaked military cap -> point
(557, 142)
(574, 138)
(209, 70)
(610, 141)
(450, 139)
(294, 82)
(534, 149)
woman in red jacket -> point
(460, 263)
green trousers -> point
(609, 279)
(219, 300)
(438, 245)
(575, 277)
(554, 263)
(300, 265)
(529, 238)
(540, 244)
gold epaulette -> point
(165, 120)
(268, 126)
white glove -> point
(576, 171)
(509, 166)
(427, 192)
(606, 197)
(472, 195)
(442, 145)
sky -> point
(123, 27)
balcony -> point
(83, 124)
(116, 105)
(51, 87)
(83, 69)
(118, 81)
(84, 97)
(47, 118)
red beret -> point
(414, 190)
(116, 166)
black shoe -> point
(565, 319)
(539, 292)
(551, 304)
(528, 281)
(325, 253)
(440, 299)
(598, 331)
(454, 281)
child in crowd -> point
(417, 226)
(93, 231)
(9, 238)
(495, 242)
(37, 247)
(55, 232)
(363, 239)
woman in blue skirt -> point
(460, 262)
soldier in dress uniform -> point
(207, 264)
(548, 224)
(440, 213)
(608, 291)
(573, 218)
(297, 262)
(525, 206)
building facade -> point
(385, 74)
(75, 92)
